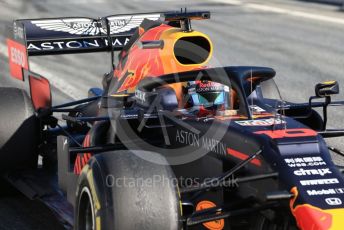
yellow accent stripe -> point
(98, 223)
(119, 95)
(329, 82)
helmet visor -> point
(210, 98)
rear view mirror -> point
(327, 88)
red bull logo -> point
(309, 217)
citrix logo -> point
(308, 172)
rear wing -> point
(32, 37)
(75, 35)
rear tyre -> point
(120, 190)
(19, 131)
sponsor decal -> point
(140, 95)
(92, 27)
(17, 58)
(333, 201)
(75, 26)
(36, 46)
(213, 225)
(213, 145)
(309, 172)
(319, 181)
(330, 191)
(209, 144)
(304, 162)
(261, 122)
(309, 217)
(208, 86)
(187, 138)
(256, 109)
(129, 116)
(119, 24)
(150, 116)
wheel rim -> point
(86, 211)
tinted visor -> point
(211, 98)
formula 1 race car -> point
(169, 142)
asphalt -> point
(302, 41)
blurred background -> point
(302, 40)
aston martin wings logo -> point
(92, 27)
(77, 26)
(120, 24)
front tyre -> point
(148, 200)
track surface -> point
(302, 41)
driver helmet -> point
(207, 95)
